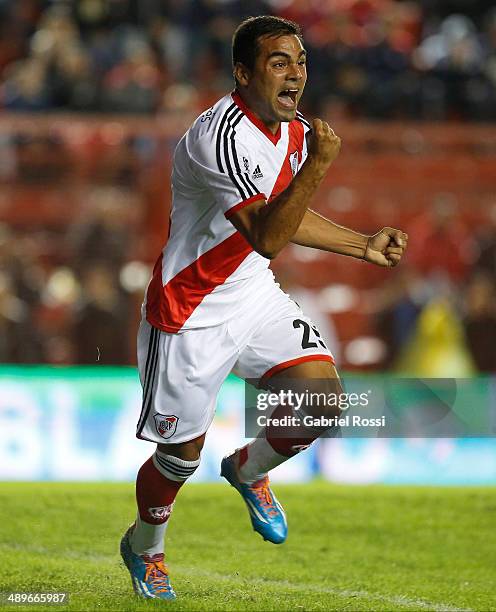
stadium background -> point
(94, 95)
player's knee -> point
(189, 451)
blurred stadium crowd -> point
(84, 199)
(371, 58)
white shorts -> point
(181, 374)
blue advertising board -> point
(79, 424)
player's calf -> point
(294, 425)
(285, 436)
(142, 547)
(158, 482)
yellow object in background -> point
(437, 348)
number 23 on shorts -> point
(311, 336)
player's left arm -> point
(385, 248)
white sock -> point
(147, 539)
(261, 458)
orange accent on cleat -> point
(155, 572)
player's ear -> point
(241, 74)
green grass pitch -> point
(349, 548)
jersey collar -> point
(274, 138)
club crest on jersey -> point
(160, 513)
(293, 162)
(166, 424)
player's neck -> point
(250, 109)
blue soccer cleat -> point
(149, 575)
(266, 513)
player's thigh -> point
(286, 339)
(288, 352)
(181, 375)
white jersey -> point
(225, 161)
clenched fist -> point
(386, 248)
(324, 145)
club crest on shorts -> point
(293, 162)
(166, 424)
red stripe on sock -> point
(154, 491)
(243, 456)
(287, 440)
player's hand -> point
(324, 145)
(386, 248)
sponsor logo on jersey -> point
(257, 173)
(293, 162)
(160, 513)
(166, 424)
(246, 164)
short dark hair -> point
(245, 38)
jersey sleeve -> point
(224, 166)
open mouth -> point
(288, 98)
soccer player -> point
(243, 177)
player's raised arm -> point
(385, 248)
(268, 228)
